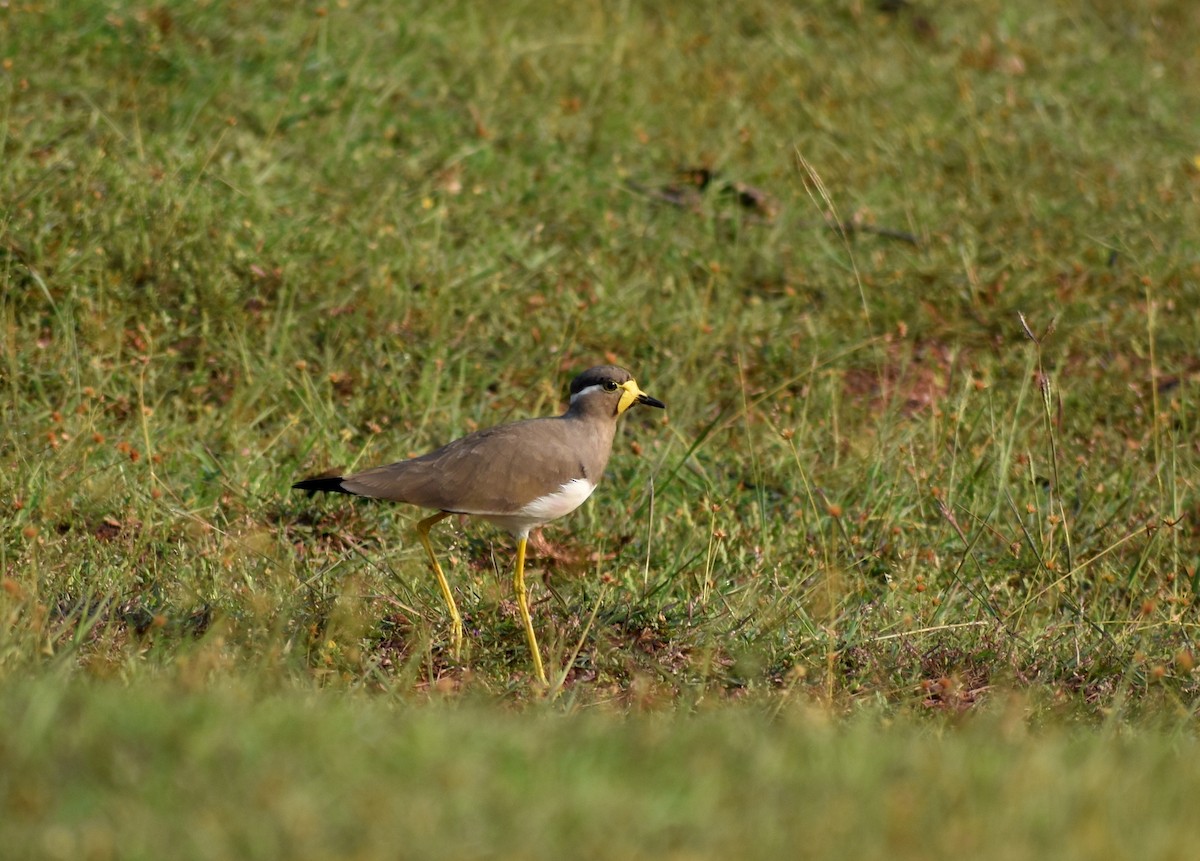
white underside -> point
(545, 508)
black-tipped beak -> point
(644, 398)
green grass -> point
(920, 514)
(143, 772)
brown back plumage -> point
(500, 470)
(494, 471)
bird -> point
(515, 476)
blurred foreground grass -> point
(228, 772)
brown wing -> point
(493, 471)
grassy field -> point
(908, 568)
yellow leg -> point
(455, 619)
(523, 604)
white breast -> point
(545, 508)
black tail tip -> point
(323, 483)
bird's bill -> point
(634, 395)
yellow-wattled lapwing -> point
(517, 476)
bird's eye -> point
(610, 385)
